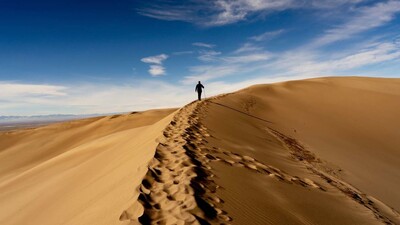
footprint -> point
(179, 179)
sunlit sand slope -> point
(78, 172)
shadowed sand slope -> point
(339, 133)
(352, 123)
(78, 172)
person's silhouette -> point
(199, 89)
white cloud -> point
(380, 52)
(302, 61)
(223, 12)
(157, 70)
(367, 18)
(248, 58)
(183, 53)
(267, 35)
(396, 40)
(208, 55)
(157, 59)
(229, 12)
(212, 13)
(209, 72)
(225, 65)
(96, 98)
(296, 65)
(205, 45)
(248, 47)
(314, 62)
(11, 90)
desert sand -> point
(78, 172)
(317, 151)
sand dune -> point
(79, 172)
(319, 151)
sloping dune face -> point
(78, 172)
(319, 151)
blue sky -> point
(101, 56)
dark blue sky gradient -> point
(74, 41)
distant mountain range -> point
(45, 118)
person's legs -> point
(199, 95)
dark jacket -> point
(199, 88)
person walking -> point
(199, 89)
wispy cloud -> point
(221, 65)
(267, 35)
(12, 90)
(157, 59)
(329, 4)
(223, 12)
(248, 58)
(94, 98)
(208, 55)
(228, 12)
(302, 62)
(209, 72)
(202, 44)
(248, 47)
(369, 54)
(183, 53)
(311, 62)
(166, 10)
(212, 13)
(156, 69)
(366, 18)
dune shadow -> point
(245, 113)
